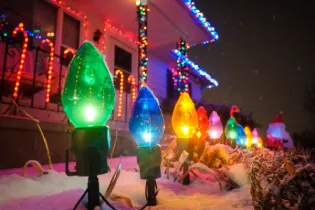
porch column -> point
(181, 74)
(142, 14)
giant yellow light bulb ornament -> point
(185, 122)
(185, 117)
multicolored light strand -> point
(50, 67)
(142, 12)
(201, 19)
(132, 82)
(196, 68)
(20, 27)
(121, 91)
(181, 75)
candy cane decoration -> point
(22, 58)
(68, 50)
(50, 67)
(121, 91)
(132, 81)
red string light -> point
(132, 81)
(68, 50)
(64, 5)
(121, 91)
(127, 36)
(50, 67)
(20, 27)
(103, 50)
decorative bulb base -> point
(90, 147)
(149, 160)
(186, 144)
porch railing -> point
(33, 77)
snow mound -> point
(58, 191)
(238, 174)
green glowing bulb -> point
(88, 97)
(231, 129)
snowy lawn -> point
(57, 191)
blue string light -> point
(196, 68)
(202, 20)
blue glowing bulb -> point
(146, 123)
(241, 136)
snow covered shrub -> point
(282, 181)
(215, 156)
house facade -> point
(39, 38)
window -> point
(70, 31)
(171, 90)
(122, 59)
(44, 21)
(70, 37)
(123, 62)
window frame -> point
(59, 28)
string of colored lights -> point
(142, 12)
(64, 5)
(201, 19)
(127, 36)
(132, 82)
(50, 67)
(182, 84)
(20, 27)
(121, 91)
(196, 68)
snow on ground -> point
(57, 191)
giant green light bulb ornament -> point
(231, 131)
(88, 99)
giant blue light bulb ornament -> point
(241, 136)
(146, 125)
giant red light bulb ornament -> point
(202, 129)
(184, 123)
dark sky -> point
(264, 58)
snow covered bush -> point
(282, 181)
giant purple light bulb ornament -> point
(216, 128)
(146, 125)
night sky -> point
(264, 59)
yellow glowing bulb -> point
(185, 117)
(138, 2)
(259, 145)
